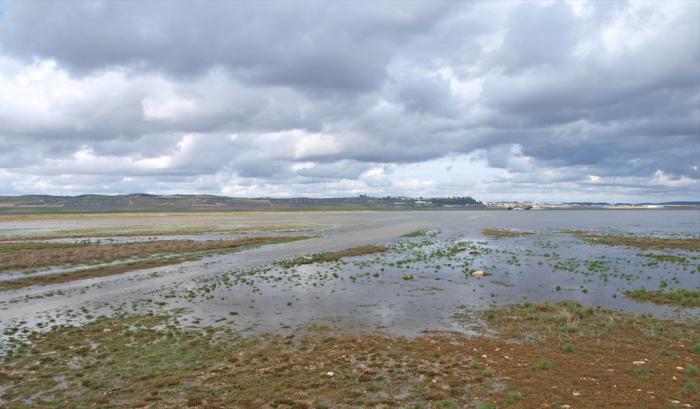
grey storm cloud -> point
(309, 98)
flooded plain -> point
(420, 283)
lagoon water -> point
(417, 286)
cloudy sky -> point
(547, 101)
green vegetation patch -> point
(642, 242)
(332, 256)
(567, 321)
(417, 233)
(496, 233)
(195, 252)
(664, 258)
(681, 297)
(16, 256)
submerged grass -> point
(680, 297)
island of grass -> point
(417, 233)
(680, 297)
(642, 242)
(496, 233)
(333, 255)
(127, 257)
(540, 355)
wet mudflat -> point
(428, 274)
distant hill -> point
(686, 203)
(142, 202)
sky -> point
(546, 101)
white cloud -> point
(168, 108)
(662, 179)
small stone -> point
(329, 373)
(478, 273)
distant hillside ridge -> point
(143, 202)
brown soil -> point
(614, 361)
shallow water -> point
(417, 286)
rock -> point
(330, 373)
(478, 273)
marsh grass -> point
(680, 297)
(417, 233)
(17, 256)
(642, 242)
(496, 233)
(332, 256)
(194, 252)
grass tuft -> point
(513, 396)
